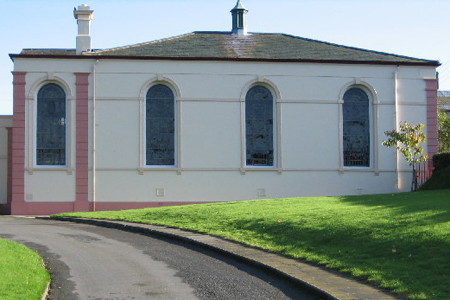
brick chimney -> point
(84, 15)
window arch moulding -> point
(32, 95)
(159, 80)
(373, 99)
(277, 126)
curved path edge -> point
(47, 290)
(325, 283)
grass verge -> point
(398, 241)
(23, 277)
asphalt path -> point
(95, 263)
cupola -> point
(239, 13)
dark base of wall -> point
(49, 208)
(4, 209)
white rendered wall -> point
(5, 121)
(209, 96)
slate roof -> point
(443, 94)
(203, 45)
(57, 52)
(444, 100)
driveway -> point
(96, 263)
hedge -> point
(441, 161)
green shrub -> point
(439, 180)
(441, 161)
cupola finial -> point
(239, 13)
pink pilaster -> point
(432, 121)
(9, 172)
(82, 142)
(16, 176)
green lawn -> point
(23, 277)
(399, 241)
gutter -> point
(397, 123)
(430, 63)
(94, 161)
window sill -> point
(50, 169)
(359, 169)
(260, 169)
(159, 168)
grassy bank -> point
(399, 241)
(23, 277)
(439, 180)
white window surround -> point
(32, 125)
(159, 79)
(277, 134)
(373, 120)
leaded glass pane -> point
(356, 128)
(51, 126)
(160, 126)
(259, 127)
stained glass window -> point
(259, 122)
(51, 126)
(356, 128)
(160, 126)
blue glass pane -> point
(160, 126)
(259, 127)
(356, 128)
(51, 126)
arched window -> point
(160, 126)
(259, 124)
(51, 126)
(356, 129)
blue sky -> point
(417, 28)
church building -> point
(207, 117)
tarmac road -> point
(96, 263)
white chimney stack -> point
(84, 15)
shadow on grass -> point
(438, 200)
(412, 265)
